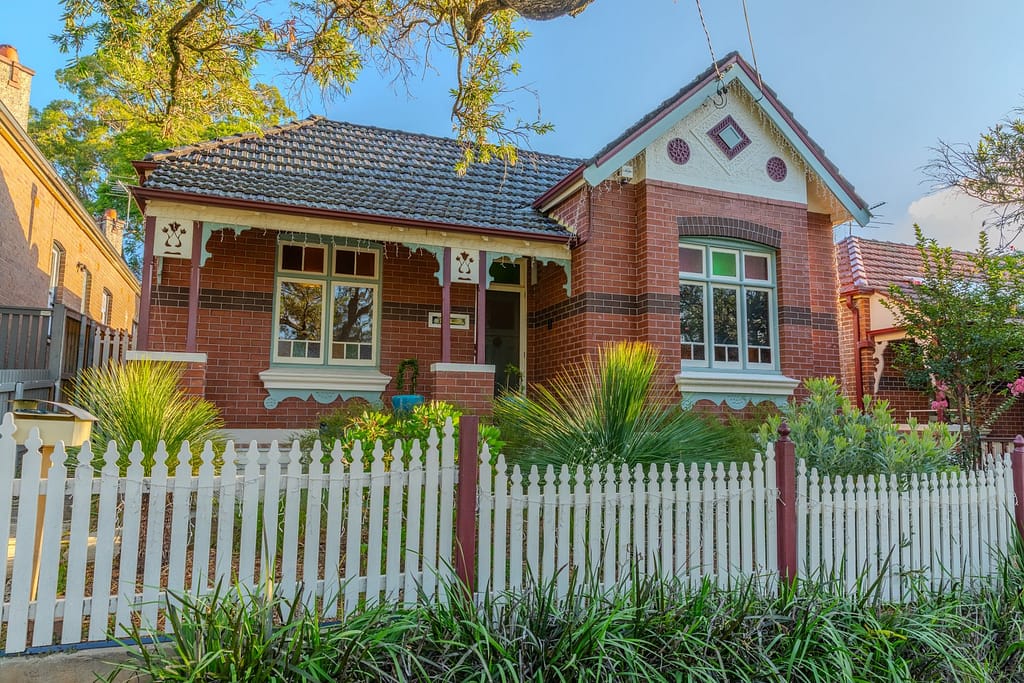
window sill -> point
(324, 384)
(735, 389)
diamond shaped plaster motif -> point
(729, 137)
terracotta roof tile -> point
(323, 164)
(877, 265)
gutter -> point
(860, 345)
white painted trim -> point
(524, 246)
(751, 383)
(461, 367)
(559, 198)
(166, 356)
(320, 378)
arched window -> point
(728, 317)
(105, 307)
(86, 288)
(56, 273)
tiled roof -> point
(329, 165)
(877, 265)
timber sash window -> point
(326, 304)
(727, 311)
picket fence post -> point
(1017, 467)
(465, 503)
(785, 505)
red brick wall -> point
(235, 325)
(626, 259)
(472, 391)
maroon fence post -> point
(465, 502)
(785, 504)
(1017, 465)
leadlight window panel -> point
(692, 322)
(724, 263)
(691, 260)
(300, 314)
(755, 267)
(303, 258)
(725, 324)
(353, 312)
(355, 263)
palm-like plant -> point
(143, 401)
(608, 411)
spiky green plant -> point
(608, 411)
(143, 401)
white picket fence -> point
(113, 547)
(110, 346)
(688, 521)
(927, 531)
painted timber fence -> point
(91, 550)
(42, 347)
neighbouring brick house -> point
(53, 251)
(869, 331)
(295, 268)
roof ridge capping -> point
(206, 145)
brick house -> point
(869, 331)
(54, 251)
(293, 269)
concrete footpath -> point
(63, 667)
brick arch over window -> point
(729, 228)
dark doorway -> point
(502, 336)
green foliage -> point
(351, 424)
(408, 373)
(611, 411)
(965, 319)
(645, 629)
(838, 438)
(143, 401)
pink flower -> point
(1016, 387)
(940, 404)
(941, 387)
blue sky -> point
(875, 82)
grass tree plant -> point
(143, 401)
(608, 410)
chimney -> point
(15, 84)
(113, 229)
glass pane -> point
(730, 136)
(313, 260)
(723, 263)
(366, 264)
(755, 267)
(291, 257)
(353, 321)
(691, 260)
(758, 327)
(505, 273)
(725, 306)
(691, 322)
(300, 313)
(344, 262)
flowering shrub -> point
(836, 437)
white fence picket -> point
(387, 532)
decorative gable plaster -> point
(709, 167)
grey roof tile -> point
(323, 164)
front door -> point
(502, 335)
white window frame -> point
(106, 304)
(741, 284)
(327, 281)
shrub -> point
(838, 438)
(349, 425)
(143, 401)
(611, 411)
